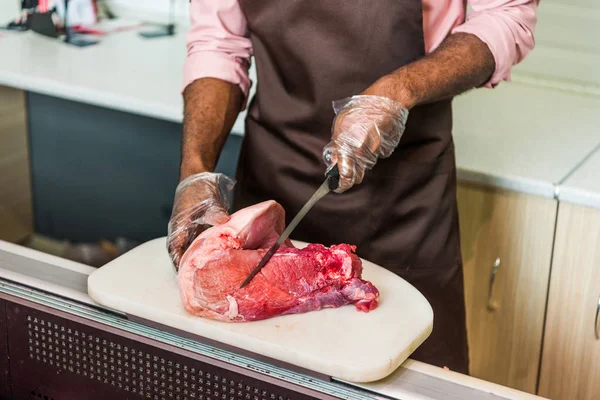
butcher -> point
(366, 85)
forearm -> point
(460, 63)
(211, 107)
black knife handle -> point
(333, 175)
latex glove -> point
(201, 201)
(365, 129)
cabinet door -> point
(505, 236)
(571, 355)
(16, 212)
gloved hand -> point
(201, 200)
(365, 129)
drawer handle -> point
(491, 306)
(597, 324)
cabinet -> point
(16, 214)
(506, 240)
(123, 166)
(570, 366)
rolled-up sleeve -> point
(217, 44)
(507, 27)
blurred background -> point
(90, 124)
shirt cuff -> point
(213, 64)
(508, 40)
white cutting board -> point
(342, 342)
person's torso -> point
(309, 53)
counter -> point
(123, 72)
(518, 136)
(523, 137)
(64, 301)
(583, 185)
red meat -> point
(293, 281)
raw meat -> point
(293, 281)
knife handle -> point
(333, 177)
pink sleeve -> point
(217, 43)
(507, 27)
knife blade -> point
(331, 183)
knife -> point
(331, 183)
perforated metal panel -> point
(60, 359)
(4, 377)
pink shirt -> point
(219, 47)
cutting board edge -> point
(400, 359)
(302, 370)
(374, 373)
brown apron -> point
(403, 216)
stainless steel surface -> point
(319, 194)
(403, 383)
(44, 271)
(491, 306)
(597, 321)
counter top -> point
(583, 185)
(518, 136)
(147, 82)
(523, 137)
(415, 380)
(123, 71)
(407, 383)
